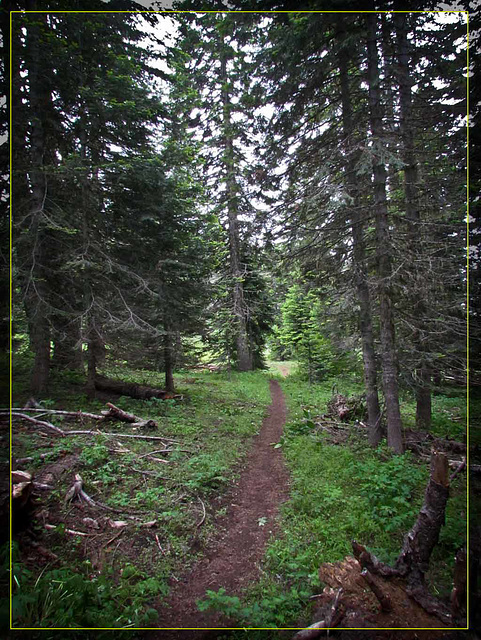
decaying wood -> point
(72, 532)
(117, 535)
(42, 486)
(21, 493)
(314, 631)
(149, 473)
(459, 592)
(450, 445)
(338, 405)
(368, 561)
(114, 413)
(429, 603)
(96, 432)
(46, 553)
(77, 491)
(132, 389)
(459, 468)
(204, 513)
(21, 476)
(401, 591)
(384, 599)
(332, 619)
(70, 414)
(39, 423)
(413, 561)
(20, 461)
(159, 545)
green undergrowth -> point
(339, 492)
(209, 431)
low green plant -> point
(84, 598)
(95, 455)
(390, 488)
(207, 472)
(272, 610)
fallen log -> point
(39, 423)
(451, 445)
(132, 389)
(133, 436)
(114, 413)
(72, 414)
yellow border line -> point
(11, 321)
(467, 320)
(170, 11)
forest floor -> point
(227, 521)
(232, 560)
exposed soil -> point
(232, 560)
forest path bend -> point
(232, 561)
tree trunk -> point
(244, 356)
(67, 353)
(413, 216)
(168, 362)
(383, 249)
(40, 344)
(91, 356)
(36, 298)
(423, 399)
(359, 262)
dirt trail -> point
(233, 559)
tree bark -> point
(244, 355)
(168, 361)
(423, 537)
(67, 353)
(36, 297)
(413, 216)
(359, 261)
(383, 247)
(128, 389)
(424, 399)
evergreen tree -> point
(92, 148)
(219, 68)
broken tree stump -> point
(384, 599)
(22, 486)
(397, 596)
(413, 561)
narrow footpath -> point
(233, 560)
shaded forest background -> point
(298, 180)
(233, 188)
